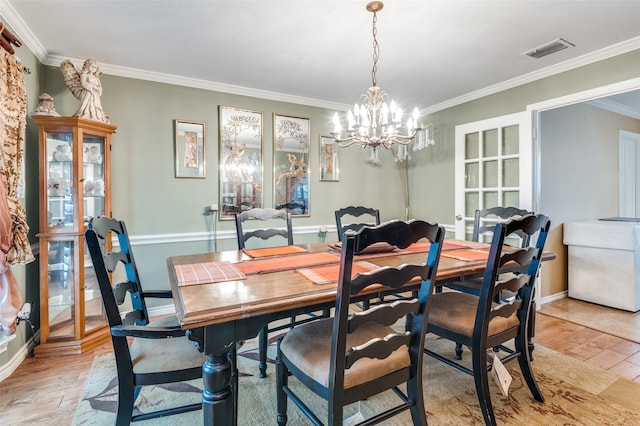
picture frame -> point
(329, 159)
(189, 149)
(291, 143)
(240, 161)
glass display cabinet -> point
(75, 185)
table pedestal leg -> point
(217, 398)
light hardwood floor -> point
(46, 391)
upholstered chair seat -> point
(457, 312)
(309, 348)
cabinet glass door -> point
(61, 291)
(94, 315)
(59, 180)
(93, 175)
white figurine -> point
(45, 106)
(86, 87)
(62, 152)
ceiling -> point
(432, 53)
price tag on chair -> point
(353, 420)
(500, 375)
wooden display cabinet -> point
(75, 185)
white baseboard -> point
(7, 369)
(552, 297)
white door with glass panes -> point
(493, 167)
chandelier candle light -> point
(374, 123)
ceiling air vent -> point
(549, 48)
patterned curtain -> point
(13, 116)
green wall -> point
(155, 204)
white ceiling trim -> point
(616, 107)
(608, 52)
(22, 31)
(157, 77)
(28, 38)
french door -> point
(493, 167)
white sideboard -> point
(604, 262)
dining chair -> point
(268, 215)
(349, 219)
(353, 356)
(146, 352)
(480, 323)
(485, 221)
(263, 233)
(484, 224)
(346, 216)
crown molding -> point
(119, 71)
(22, 31)
(589, 58)
(616, 107)
(28, 38)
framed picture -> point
(329, 159)
(291, 164)
(240, 161)
(189, 149)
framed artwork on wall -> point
(291, 164)
(240, 161)
(189, 149)
(329, 159)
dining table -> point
(231, 295)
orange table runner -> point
(286, 263)
(330, 273)
(467, 255)
(274, 251)
(383, 251)
(208, 272)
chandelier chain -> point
(376, 50)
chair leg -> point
(525, 367)
(458, 351)
(126, 399)
(481, 378)
(531, 329)
(262, 351)
(282, 377)
(414, 392)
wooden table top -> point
(213, 303)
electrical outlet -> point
(25, 311)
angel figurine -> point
(86, 87)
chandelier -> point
(374, 123)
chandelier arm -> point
(348, 141)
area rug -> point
(616, 322)
(576, 394)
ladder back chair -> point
(268, 215)
(354, 356)
(263, 233)
(485, 220)
(480, 323)
(484, 225)
(345, 218)
(343, 225)
(159, 351)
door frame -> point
(536, 109)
